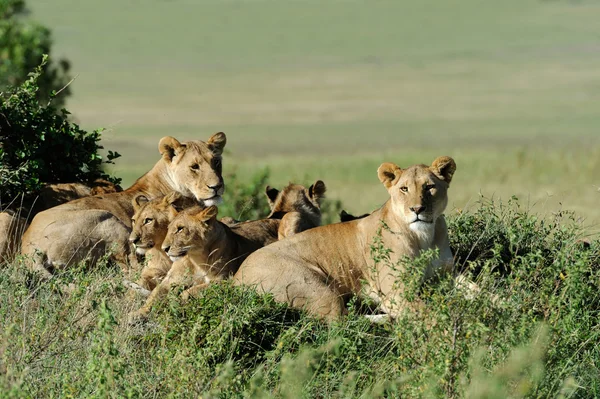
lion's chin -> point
(216, 200)
(175, 258)
(140, 251)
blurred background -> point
(330, 89)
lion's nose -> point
(417, 209)
(216, 187)
(166, 249)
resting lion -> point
(204, 249)
(298, 208)
(149, 228)
(90, 227)
(12, 227)
(317, 268)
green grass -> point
(331, 89)
(532, 331)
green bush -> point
(23, 44)
(38, 145)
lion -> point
(318, 268)
(149, 228)
(12, 227)
(91, 227)
(298, 208)
(204, 249)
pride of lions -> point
(165, 229)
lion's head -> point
(419, 194)
(152, 217)
(191, 232)
(296, 198)
(194, 167)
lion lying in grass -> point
(318, 268)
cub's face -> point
(195, 168)
(419, 194)
(151, 219)
(191, 232)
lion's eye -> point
(147, 220)
(179, 229)
(429, 186)
(195, 166)
(404, 189)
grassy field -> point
(331, 89)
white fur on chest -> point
(424, 232)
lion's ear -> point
(272, 194)
(169, 147)
(208, 213)
(388, 173)
(317, 190)
(444, 168)
(217, 142)
(139, 201)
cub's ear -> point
(388, 173)
(272, 194)
(139, 201)
(208, 213)
(443, 168)
(217, 142)
(169, 147)
(317, 190)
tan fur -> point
(92, 226)
(11, 229)
(317, 268)
(149, 228)
(298, 208)
(55, 194)
(204, 249)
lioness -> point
(12, 227)
(149, 228)
(90, 227)
(317, 268)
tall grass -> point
(531, 331)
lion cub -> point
(150, 222)
(204, 249)
(298, 208)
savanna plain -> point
(329, 90)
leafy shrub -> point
(38, 144)
(23, 44)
